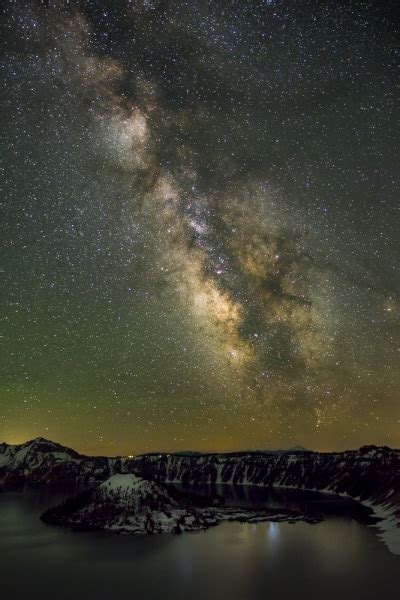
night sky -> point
(201, 224)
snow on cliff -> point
(43, 461)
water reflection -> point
(273, 533)
(338, 558)
(184, 560)
(304, 502)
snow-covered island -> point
(126, 503)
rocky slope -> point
(41, 461)
(368, 473)
(129, 504)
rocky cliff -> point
(41, 461)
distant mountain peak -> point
(297, 449)
(44, 446)
(38, 441)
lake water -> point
(339, 558)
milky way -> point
(201, 225)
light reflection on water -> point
(273, 532)
(338, 559)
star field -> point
(201, 224)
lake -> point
(339, 558)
